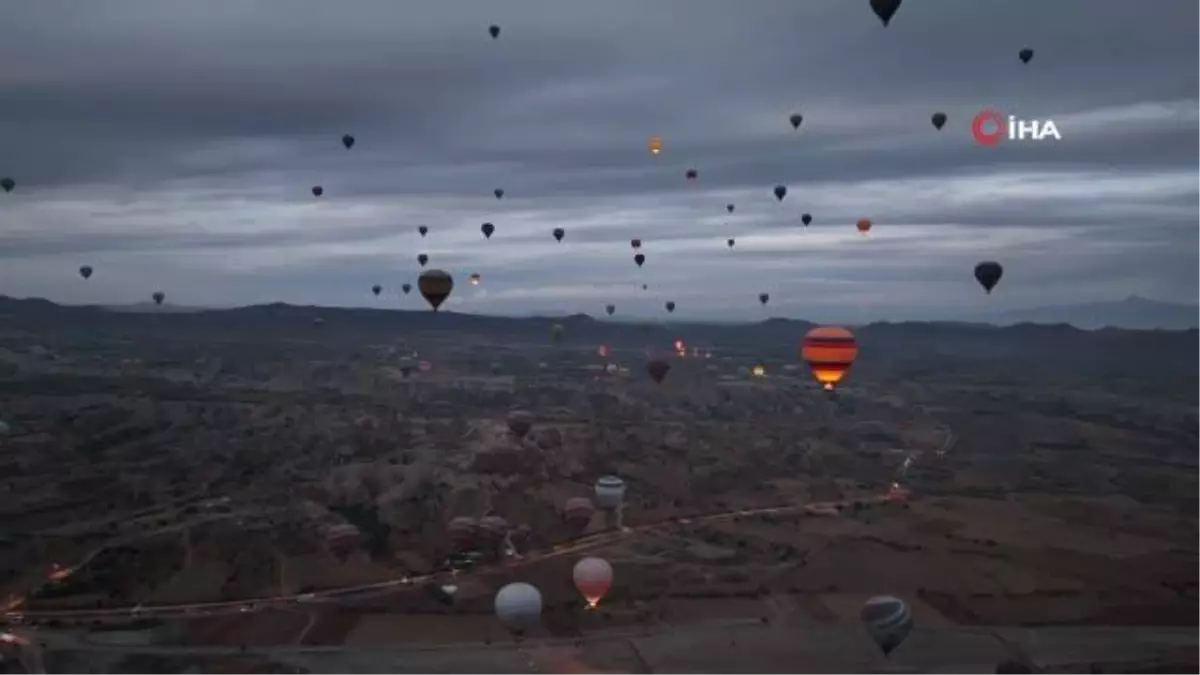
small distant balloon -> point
(158, 297)
(863, 225)
(421, 260)
(729, 208)
(435, 286)
(7, 184)
(86, 271)
(635, 243)
(494, 31)
(639, 259)
(423, 230)
(670, 305)
(499, 192)
(806, 219)
(988, 274)
(487, 229)
(764, 298)
(730, 243)
(610, 309)
(885, 9)
(376, 289)
(558, 233)
(1025, 54)
(644, 286)
(939, 120)
(474, 278)
(780, 192)
(657, 369)
(317, 190)
(348, 141)
(796, 119)
(655, 145)
(407, 288)
(691, 174)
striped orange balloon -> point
(829, 351)
(655, 145)
(863, 225)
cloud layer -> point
(172, 146)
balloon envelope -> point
(435, 287)
(518, 605)
(988, 274)
(829, 351)
(86, 271)
(780, 192)
(658, 369)
(593, 577)
(888, 621)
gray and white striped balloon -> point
(887, 620)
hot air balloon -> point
(759, 370)
(639, 259)
(494, 31)
(939, 120)
(658, 369)
(7, 184)
(610, 309)
(644, 286)
(691, 174)
(829, 352)
(518, 606)
(635, 243)
(520, 422)
(729, 208)
(86, 271)
(487, 229)
(422, 259)
(887, 620)
(680, 345)
(1025, 54)
(158, 297)
(558, 233)
(407, 288)
(780, 192)
(423, 230)
(655, 145)
(556, 333)
(988, 274)
(376, 289)
(578, 512)
(317, 190)
(806, 219)
(474, 278)
(602, 350)
(796, 119)
(729, 243)
(670, 305)
(348, 141)
(763, 298)
(863, 225)
(884, 9)
(499, 192)
(593, 577)
(435, 286)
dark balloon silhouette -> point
(317, 190)
(499, 192)
(988, 274)
(729, 208)
(796, 119)
(487, 229)
(610, 309)
(670, 305)
(422, 259)
(658, 369)
(729, 243)
(348, 141)
(7, 184)
(639, 259)
(780, 192)
(691, 174)
(86, 271)
(494, 31)
(407, 288)
(939, 120)
(435, 287)
(806, 219)
(423, 230)
(158, 297)
(635, 243)
(764, 298)
(1025, 54)
(885, 9)
(376, 289)
(558, 233)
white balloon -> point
(519, 605)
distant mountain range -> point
(1133, 312)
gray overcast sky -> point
(172, 144)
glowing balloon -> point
(829, 351)
(593, 577)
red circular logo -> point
(988, 127)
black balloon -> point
(939, 120)
(639, 259)
(558, 233)
(780, 192)
(806, 219)
(1025, 54)
(988, 274)
(487, 229)
(885, 9)
(348, 141)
